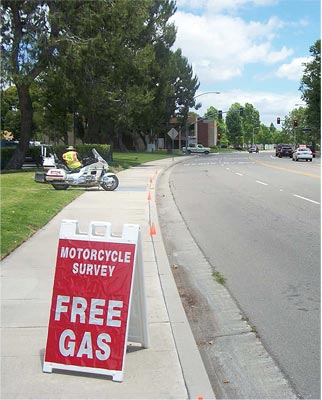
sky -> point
(251, 51)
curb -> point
(194, 372)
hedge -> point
(34, 152)
(85, 150)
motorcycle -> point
(93, 173)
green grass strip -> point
(27, 206)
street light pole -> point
(202, 94)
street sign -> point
(95, 279)
(173, 133)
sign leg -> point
(47, 368)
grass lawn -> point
(27, 206)
(127, 160)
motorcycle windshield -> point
(98, 157)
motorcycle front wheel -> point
(111, 186)
(59, 187)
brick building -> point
(200, 131)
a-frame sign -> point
(98, 283)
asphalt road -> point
(256, 219)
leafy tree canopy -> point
(311, 89)
(102, 68)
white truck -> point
(196, 148)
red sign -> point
(90, 304)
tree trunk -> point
(142, 136)
(122, 146)
(91, 135)
(26, 110)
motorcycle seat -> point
(73, 170)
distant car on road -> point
(253, 149)
(302, 153)
(313, 149)
(283, 150)
(196, 148)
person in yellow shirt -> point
(71, 158)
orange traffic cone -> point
(149, 196)
(152, 230)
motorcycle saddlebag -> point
(55, 175)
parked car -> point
(196, 148)
(283, 150)
(253, 149)
(313, 149)
(302, 153)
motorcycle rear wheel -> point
(112, 186)
(59, 187)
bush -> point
(85, 150)
(6, 154)
(34, 152)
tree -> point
(10, 114)
(30, 31)
(122, 78)
(158, 78)
(234, 125)
(272, 131)
(311, 90)
(296, 134)
(212, 114)
(102, 68)
(184, 86)
(250, 121)
(264, 135)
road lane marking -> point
(289, 170)
(262, 183)
(238, 173)
(305, 198)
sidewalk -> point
(171, 368)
